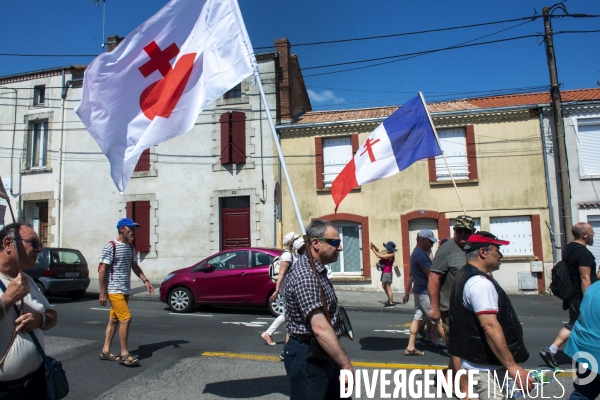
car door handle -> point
(243, 274)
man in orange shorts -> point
(114, 274)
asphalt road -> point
(217, 352)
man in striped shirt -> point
(114, 274)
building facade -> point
(494, 148)
(206, 190)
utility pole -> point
(565, 184)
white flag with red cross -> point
(154, 84)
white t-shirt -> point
(23, 357)
(480, 296)
(118, 277)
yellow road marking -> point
(257, 357)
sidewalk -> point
(356, 300)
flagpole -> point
(443, 152)
(279, 152)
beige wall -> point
(511, 182)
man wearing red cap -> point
(485, 330)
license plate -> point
(71, 274)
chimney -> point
(113, 41)
(285, 93)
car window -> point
(40, 258)
(231, 260)
(260, 259)
(67, 257)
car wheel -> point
(77, 295)
(42, 288)
(181, 300)
(276, 307)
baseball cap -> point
(464, 221)
(298, 244)
(126, 222)
(483, 239)
(287, 239)
(427, 234)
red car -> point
(232, 277)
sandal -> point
(268, 338)
(109, 356)
(413, 352)
(129, 360)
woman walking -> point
(286, 258)
(386, 259)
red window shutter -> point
(471, 152)
(129, 209)
(143, 163)
(354, 144)
(319, 162)
(142, 217)
(238, 137)
(225, 140)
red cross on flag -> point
(154, 84)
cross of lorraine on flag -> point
(404, 137)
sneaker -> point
(388, 305)
(548, 358)
(281, 356)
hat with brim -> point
(298, 244)
(289, 238)
(483, 239)
(390, 246)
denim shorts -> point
(386, 278)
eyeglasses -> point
(35, 243)
(463, 231)
(333, 242)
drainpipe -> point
(12, 147)
(555, 248)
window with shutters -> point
(454, 145)
(337, 152)
(143, 163)
(233, 137)
(588, 143)
(517, 230)
(37, 145)
(139, 211)
(459, 146)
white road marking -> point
(405, 331)
(192, 315)
(251, 324)
(103, 309)
(266, 318)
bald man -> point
(582, 271)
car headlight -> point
(168, 277)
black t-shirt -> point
(579, 256)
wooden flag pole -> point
(443, 153)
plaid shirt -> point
(303, 295)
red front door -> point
(235, 222)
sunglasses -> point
(333, 242)
(463, 231)
(35, 243)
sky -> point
(74, 27)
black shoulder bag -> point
(57, 386)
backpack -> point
(114, 260)
(561, 285)
(274, 267)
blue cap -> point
(126, 222)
